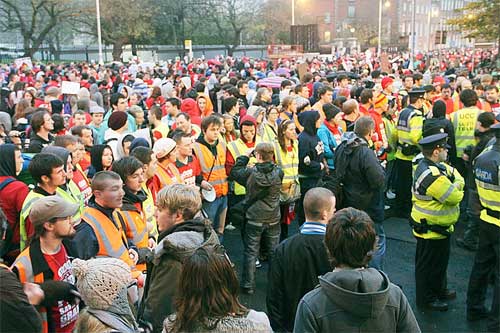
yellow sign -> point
(188, 43)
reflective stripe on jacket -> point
(238, 148)
(110, 236)
(217, 178)
(464, 122)
(435, 197)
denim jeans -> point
(270, 235)
(378, 257)
(214, 209)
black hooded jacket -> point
(363, 176)
(7, 160)
(311, 148)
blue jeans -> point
(378, 257)
(270, 235)
(214, 209)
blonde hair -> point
(180, 197)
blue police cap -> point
(434, 141)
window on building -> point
(327, 36)
(351, 11)
(327, 18)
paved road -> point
(399, 265)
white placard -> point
(23, 61)
(70, 88)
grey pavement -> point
(399, 265)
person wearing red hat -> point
(438, 82)
(387, 85)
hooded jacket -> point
(175, 245)
(359, 170)
(351, 300)
(265, 176)
(96, 159)
(13, 194)
(311, 149)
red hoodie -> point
(190, 107)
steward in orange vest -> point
(131, 172)
(210, 150)
(47, 259)
(102, 230)
(165, 150)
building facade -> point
(356, 22)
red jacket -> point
(13, 196)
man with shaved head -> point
(351, 113)
(299, 260)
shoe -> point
(258, 264)
(230, 227)
(448, 295)
(436, 305)
(477, 314)
(466, 246)
(387, 207)
(248, 291)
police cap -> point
(432, 130)
(417, 93)
(434, 141)
(429, 88)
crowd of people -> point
(115, 199)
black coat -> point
(364, 176)
(296, 264)
(311, 150)
(17, 314)
(447, 126)
(263, 176)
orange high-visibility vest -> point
(111, 237)
(217, 177)
(168, 175)
(25, 272)
(136, 231)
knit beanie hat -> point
(102, 282)
(386, 81)
(117, 120)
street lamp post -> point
(432, 13)
(99, 43)
(386, 4)
(413, 32)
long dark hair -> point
(281, 133)
(96, 156)
(208, 288)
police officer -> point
(487, 173)
(409, 131)
(437, 192)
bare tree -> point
(35, 19)
(122, 23)
(231, 18)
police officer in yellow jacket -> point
(487, 176)
(408, 131)
(437, 192)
